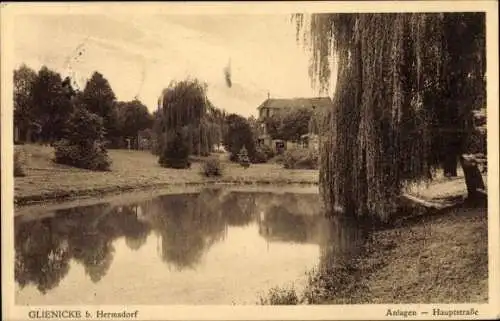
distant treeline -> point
(44, 103)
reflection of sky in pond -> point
(213, 247)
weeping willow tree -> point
(405, 86)
(211, 130)
(184, 112)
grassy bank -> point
(439, 257)
(132, 170)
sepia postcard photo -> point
(250, 160)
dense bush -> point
(19, 163)
(259, 157)
(262, 154)
(175, 153)
(84, 146)
(268, 151)
(212, 167)
(91, 156)
(301, 158)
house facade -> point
(274, 106)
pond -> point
(213, 246)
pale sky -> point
(140, 54)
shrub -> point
(84, 145)
(280, 296)
(212, 167)
(89, 156)
(19, 162)
(259, 157)
(301, 159)
(175, 153)
(262, 154)
(268, 151)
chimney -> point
(268, 95)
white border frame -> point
(355, 312)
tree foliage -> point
(44, 103)
(184, 107)
(239, 135)
(273, 125)
(52, 103)
(295, 124)
(133, 117)
(183, 103)
(405, 87)
(83, 146)
(175, 154)
(289, 125)
(99, 98)
(25, 79)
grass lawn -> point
(131, 170)
(442, 259)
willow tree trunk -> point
(473, 178)
(450, 165)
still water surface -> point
(211, 247)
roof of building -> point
(275, 103)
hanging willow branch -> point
(184, 108)
(402, 80)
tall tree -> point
(183, 103)
(182, 106)
(403, 82)
(99, 98)
(25, 79)
(133, 117)
(239, 134)
(53, 105)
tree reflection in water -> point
(289, 218)
(86, 234)
(342, 240)
(239, 208)
(42, 255)
(188, 225)
(126, 220)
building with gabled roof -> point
(273, 106)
